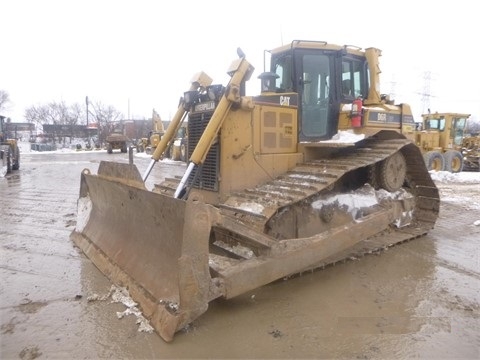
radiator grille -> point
(207, 178)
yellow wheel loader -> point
(298, 177)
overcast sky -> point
(139, 55)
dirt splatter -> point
(28, 306)
(30, 353)
(8, 328)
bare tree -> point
(75, 115)
(4, 100)
(38, 115)
(63, 114)
(59, 113)
(105, 116)
(52, 113)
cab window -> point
(458, 127)
(351, 86)
(283, 68)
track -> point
(253, 218)
(261, 208)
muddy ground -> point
(420, 299)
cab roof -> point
(314, 44)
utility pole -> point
(427, 77)
(393, 85)
(88, 130)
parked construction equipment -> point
(471, 153)
(176, 149)
(149, 143)
(298, 177)
(156, 134)
(117, 140)
(9, 150)
(441, 140)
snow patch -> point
(345, 137)
(251, 207)
(120, 295)
(351, 202)
(354, 201)
(467, 177)
(238, 249)
(84, 209)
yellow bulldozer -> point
(441, 140)
(303, 175)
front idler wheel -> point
(392, 172)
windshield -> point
(435, 124)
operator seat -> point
(347, 87)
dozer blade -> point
(138, 239)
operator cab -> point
(324, 77)
(455, 124)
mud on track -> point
(418, 299)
